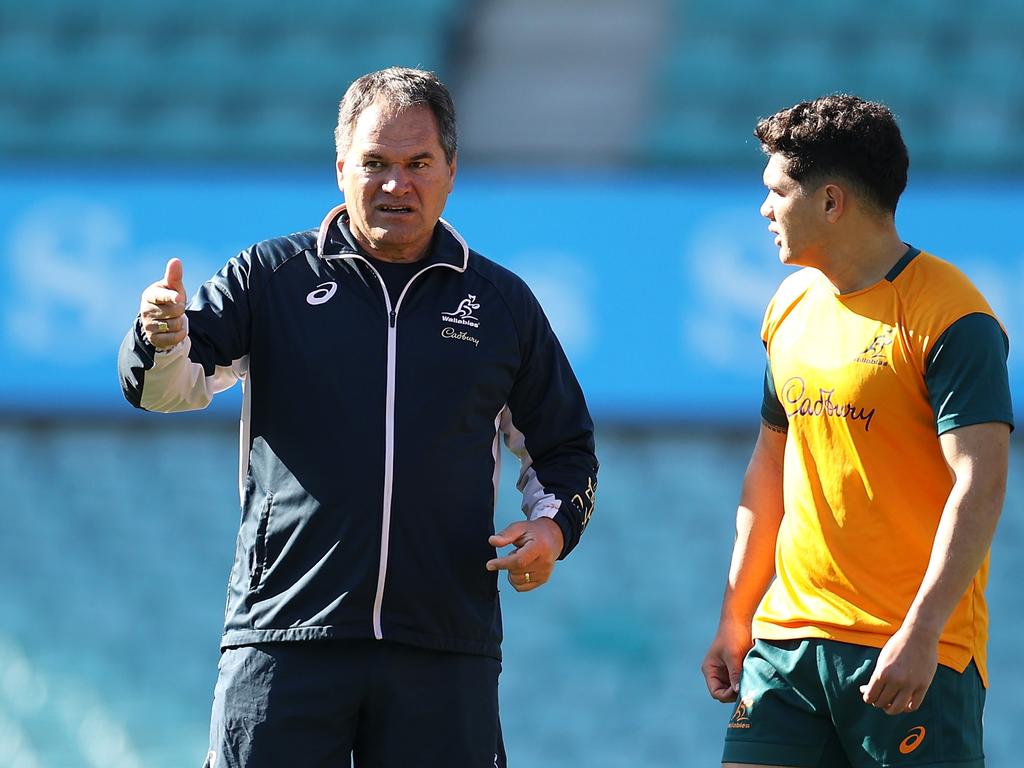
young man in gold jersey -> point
(853, 627)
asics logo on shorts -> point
(322, 294)
(913, 740)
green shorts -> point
(800, 705)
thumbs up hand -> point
(163, 308)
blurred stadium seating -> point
(197, 81)
(115, 551)
(951, 72)
(662, 82)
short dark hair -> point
(399, 88)
(843, 135)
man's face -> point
(794, 215)
(395, 180)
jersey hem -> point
(237, 637)
(948, 656)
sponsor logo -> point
(453, 333)
(798, 403)
(875, 352)
(322, 294)
(913, 740)
(463, 314)
(741, 716)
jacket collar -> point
(448, 245)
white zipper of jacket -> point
(389, 436)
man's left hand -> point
(538, 543)
(903, 673)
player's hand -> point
(163, 308)
(903, 673)
(724, 660)
(538, 543)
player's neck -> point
(858, 262)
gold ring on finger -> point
(162, 327)
(526, 577)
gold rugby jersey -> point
(864, 383)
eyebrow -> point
(371, 155)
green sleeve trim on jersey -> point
(966, 374)
(771, 409)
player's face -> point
(395, 180)
(793, 215)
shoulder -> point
(254, 268)
(789, 293)
(938, 273)
(935, 294)
(512, 288)
(796, 285)
(271, 254)
(492, 271)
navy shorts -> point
(367, 703)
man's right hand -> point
(163, 308)
(724, 661)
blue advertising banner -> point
(655, 284)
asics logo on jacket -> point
(323, 293)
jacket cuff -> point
(142, 341)
(569, 536)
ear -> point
(833, 201)
(340, 168)
(452, 167)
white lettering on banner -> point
(566, 287)
(77, 272)
(729, 273)
(646, 326)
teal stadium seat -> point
(203, 65)
(730, 61)
(30, 65)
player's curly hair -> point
(840, 135)
(399, 88)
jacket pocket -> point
(258, 553)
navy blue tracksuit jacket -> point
(370, 434)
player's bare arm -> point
(977, 456)
(162, 308)
(753, 563)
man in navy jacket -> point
(381, 361)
